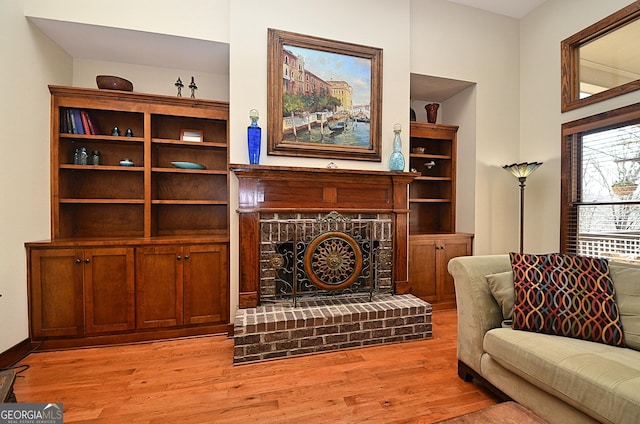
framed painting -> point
(324, 98)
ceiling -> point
(513, 8)
(142, 48)
(435, 89)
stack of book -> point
(76, 121)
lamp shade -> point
(522, 169)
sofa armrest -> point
(478, 312)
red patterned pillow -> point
(566, 295)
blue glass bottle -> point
(396, 161)
(254, 135)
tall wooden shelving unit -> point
(136, 252)
(433, 240)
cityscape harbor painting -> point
(324, 98)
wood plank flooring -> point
(194, 381)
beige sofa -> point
(563, 380)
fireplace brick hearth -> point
(278, 330)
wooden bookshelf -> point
(110, 223)
(433, 240)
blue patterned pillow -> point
(566, 295)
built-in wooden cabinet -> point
(151, 190)
(81, 291)
(433, 240)
(429, 255)
(181, 285)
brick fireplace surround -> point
(265, 330)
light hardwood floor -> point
(194, 381)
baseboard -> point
(14, 354)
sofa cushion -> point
(501, 286)
(627, 281)
(566, 295)
(601, 380)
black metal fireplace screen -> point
(325, 255)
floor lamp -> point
(521, 171)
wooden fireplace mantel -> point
(269, 189)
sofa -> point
(562, 379)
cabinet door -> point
(159, 286)
(422, 268)
(109, 290)
(206, 297)
(56, 292)
(449, 249)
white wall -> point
(30, 62)
(376, 23)
(453, 41)
(462, 109)
(147, 79)
(540, 116)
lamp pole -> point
(522, 180)
(522, 171)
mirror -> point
(603, 60)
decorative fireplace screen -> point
(315, 255)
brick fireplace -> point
(269, 192)
(323, 261)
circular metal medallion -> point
(333, 260)
(277, 261)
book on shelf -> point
(85, 124)
(89, 127)
(76, 121)
(65, 121)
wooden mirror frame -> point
(570, 47)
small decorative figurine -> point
(193, 88)
(115, 131)
(95, 157)
(128, 132)
(179, 84)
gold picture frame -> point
(324, 98)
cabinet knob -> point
(179, 257)
(78, 261)
(186, 257)
(86, 261)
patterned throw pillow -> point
(566, 295)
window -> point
(600, 209)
